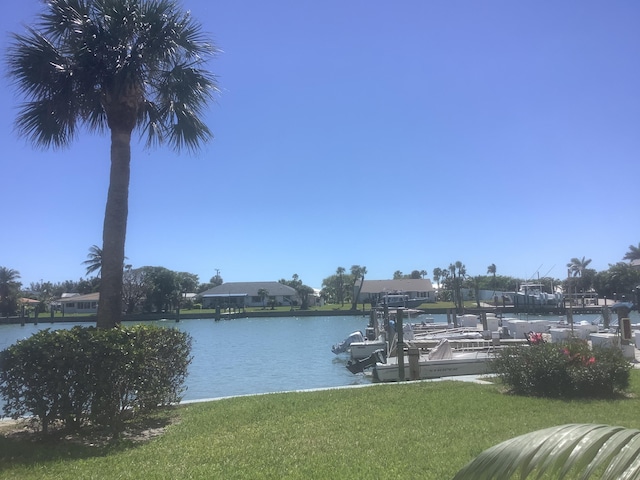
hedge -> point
(86, 375)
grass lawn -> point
(425, 430)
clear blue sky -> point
(394, 135)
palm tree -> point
(491, 270)
(9, 290)
(437, 275)
(119, 65)
(458, 274)
(579, 448)
(577, 266)
(633, 253)
(357, 275)
(94, 260)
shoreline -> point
(195, 315)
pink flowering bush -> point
(535, 338)
(568, 370)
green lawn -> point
(424, 430)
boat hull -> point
(360, 350)
(469, 363)
(408, 303)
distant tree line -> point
(150, 289)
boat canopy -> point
(442, 351)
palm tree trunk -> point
(114, 231)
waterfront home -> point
(249, 294)
(76, 303)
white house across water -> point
(248, 294)
(76, 303)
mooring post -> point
(400, 347)
(373, 323)
(606, 316)
(414, 363)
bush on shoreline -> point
(567, 370)
(85, 374)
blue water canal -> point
(259, 355)
(250, 355)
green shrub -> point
(164, 356)
(567, 370)
(82, 374)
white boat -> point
(358, 346)
(533, 294)
(395, 300)
(442, 361)
(344, 345)
(364, 349)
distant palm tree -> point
(357, 274)
(633, 253)
(119, 65)
(577, 266)
(9, 290)
(8, 280)
(94, 260)
(437, 275)
(582, 449)
(458, 274)
(491, 270)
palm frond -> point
(105, 63)
(581, 449)
(94, 260)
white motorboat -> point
(442, 361)
(533, 294)
(364, 349)
(344, 345)
(358, 346)
(399, 299)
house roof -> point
(249, 288)
(402, 285)
(89, 297)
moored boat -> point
(358, 346)
(533, 294)
(395, 300)
(442, 361)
